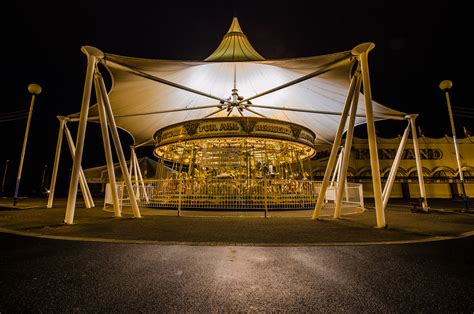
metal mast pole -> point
(54, 175)
(347, 152)
(93, 54)
(396, 162)
(107, 147)
(419, 166)
(362, 51)
(334, 149)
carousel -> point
(234, 163)
(237, 148)
(234, 131)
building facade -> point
(440, 170)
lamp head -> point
(445, 85)
(34, 89)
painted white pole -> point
(140, 176)
(361, 196)
(54, 175)
(34, 90)
(362, 52)
(346, 190)
(334, 149)
(122, 188)
(118, 148)
(265, 195)
(337, 173)
(133, 174)
(419, 165)
(180, 182)
(93, 54)
(336, 169)
(82, 182)
(131, 163)
(339, 165)
(107, 149)
(347, 152)
(82, 178)
(387, 190)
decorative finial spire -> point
(235, 46)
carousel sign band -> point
(235, 127)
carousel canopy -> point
(150, 94)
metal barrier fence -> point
(248, 194)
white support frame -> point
(93, 55)
(131, 163)
(334, 149)
(138, 172)
(180, 188)
(339, 165)
(419, 165)
(54, 175)
(337, 168)
(82, 178)
(133, 173)
(387, 190)
(362, 52)
(347, 150)
(107, 148)
(118, 147)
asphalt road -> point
(41, 275)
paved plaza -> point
(444, 221)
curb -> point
(156, 242)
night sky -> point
(417, 46)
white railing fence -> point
(231, 194)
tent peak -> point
(235, 26)
(235, 47)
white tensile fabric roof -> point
(132, 94)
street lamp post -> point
(34, 90)
(445, 86)
(44, 176)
